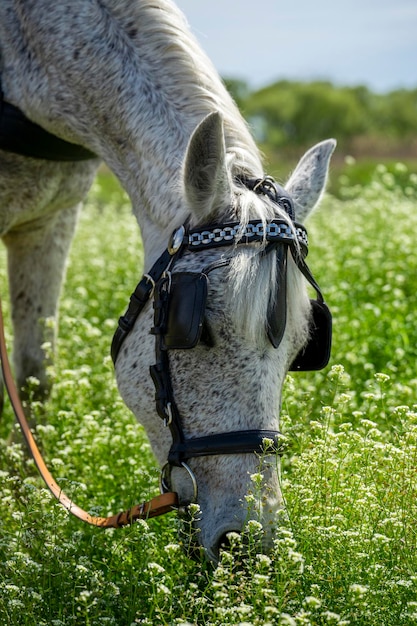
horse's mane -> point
(194, 85)
(251, 275)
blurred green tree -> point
(300, 113)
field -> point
(346, 552)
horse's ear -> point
(206, 180)
(308, 181)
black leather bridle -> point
(179, 306)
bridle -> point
(179, 307)
(179, 301)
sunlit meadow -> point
(346, 550)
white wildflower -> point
(263, 559)
(155, 567)
(311, 602)
(358, 590)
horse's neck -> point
(126, 79)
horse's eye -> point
(206, 337)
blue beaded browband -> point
(231, 233)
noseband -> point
(179, 301)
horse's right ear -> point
(308, 181)
(207, 185)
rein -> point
(159, 505)
(21, 136)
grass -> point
(346, 551)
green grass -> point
(345, 553)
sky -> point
(350, 42)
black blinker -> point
(316, 354)
(277, 310)
(185, 311)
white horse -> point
(127, 80)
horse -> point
(128, 82)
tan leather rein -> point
(157, 506)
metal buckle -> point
(153, 284)
(168, 278)
(165, 475)
(168, 411)
(176, 240)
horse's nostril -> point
(224, 542)
(228, 540)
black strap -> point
(305, 270)
(137, 302)
(277, 307)
(267, 186)
(21, 136)
(160, 372)
(236, 442)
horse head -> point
(230, 315)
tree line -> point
(287, 114)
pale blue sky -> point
(371, 42)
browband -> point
(231, 233)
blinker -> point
(185, 310)
(316, 354)
(277, 310)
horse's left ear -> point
(206, 180)
(308, 181)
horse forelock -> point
(252, 276)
